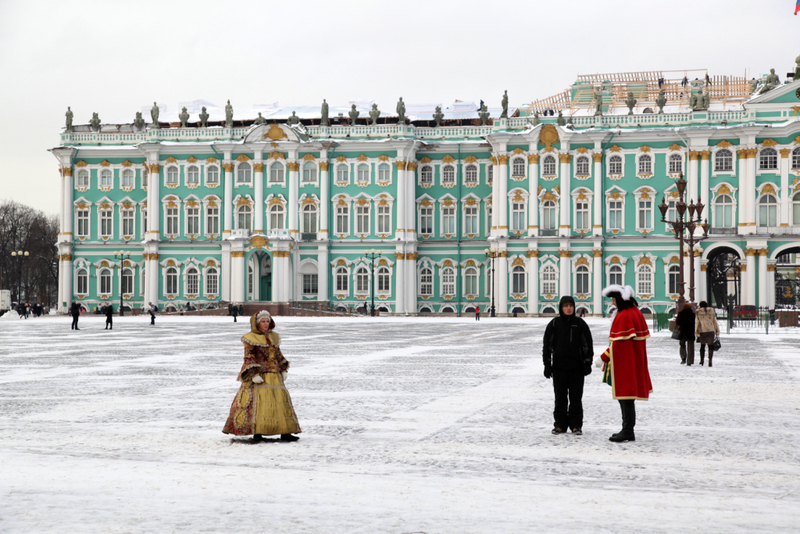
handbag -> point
(676, 334)
(716, 345)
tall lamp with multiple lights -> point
(20, 255)
(492, 254)
(372, 255)
(122, 255)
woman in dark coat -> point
(685, 321)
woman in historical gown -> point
(262, 406)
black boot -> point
(288, 437)
(257, 437)
(702, 354)
(710, 355)
(628, 422)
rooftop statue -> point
(294, 119)
(560, 119)
(630, 102)
(184, 117)
(228, 115)
(438, 116)
(138, 122)
(95, 122)
(484, 114)
(771, 82)
(661, 101)
(598, 101)
(797, 69)
(69, 115)
(203, 118)
(374, 114)
(699, 101)
(535, 118)
(504, 103)
(324, 113)
(401, 111)
(154, 115)
(353, 115)
(259, 119)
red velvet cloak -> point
(628, 356)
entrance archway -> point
(259, 277)
(787, 278)
(724, 278)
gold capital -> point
(502, 160)
(66, 171)
(533, 253)
(598, 157)
(155, 168)
(399, 256)
(258, 167)
(565, 253)
(705, 154)
(412, 166)
(323, 166)
(293, 166)
(533, 159)
(401, 165)
(785, 152)
(597, 253)
(228, 167)
(565, 158)
(237, 253)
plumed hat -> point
(626, 292)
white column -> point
(771, 284)
(705, 193)
(697, 276)
(785, 209)
(749, 290)
(323, 272)
(411, 282)
(227, 201)
(225, 272)
(741, 204)
(325, 203)
(691, 185)
(565, 229)
(501, 203)
(399, 279)
(402, 200)
(597, 211)
(153, 277)
(597, 282)
(533, 198)
(533, 281)
(64, 281)
(565, 274)
(294, 178)
(750, 192)
(763, 291)
(411, 202)
(154, 204)
(258, 176)
(238, 275)
(410, 285)
(67, 208)
(501, 285)
(496, 203)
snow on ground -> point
(409, 425)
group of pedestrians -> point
(699, 326)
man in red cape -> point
(626, 358)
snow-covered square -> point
(409, 425)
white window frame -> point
(211, 281)
(611, 165)
(277, 174)
(547, 171)
(447, 281)
(719, 157)
(582, 271)
(244, 174)
(172, 171)
(548, 278)
(310, 174)
(768, 161)
(209, 171)
(519, 167)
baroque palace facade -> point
(213, 206)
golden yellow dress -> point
(264, 408)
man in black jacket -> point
(567, 353)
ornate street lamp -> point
(688, 225)
(122, 255)
(492, 254)
(20, 255)
(372, 255)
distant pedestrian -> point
(477, 313)
(153, 309)
(23, 311)
(706, 328)
(235, 312)
(75, 311)
(685, 321)
(109, 313)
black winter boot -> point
(628, 422)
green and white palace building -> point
(280, 204)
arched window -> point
(192, 175)
(518, 279)
(171, 281)
(471, 281)
(276, 173)
(489, 174)
(362, 280)
(426, 282)
(276, 217)
(615, 165)
(127, 281)
(105, 281)
(192, 281)
(250, 281)
(549, 280)
(172, 175)
(518, 167)
(384, 173)
(83, 179)
(549, 215)
(244, 217)
(309, 172)
(243, 173)
(796, 209)
(342, 280)
(127, 178)
(768, 211)
(796, 159)
(723, 160)
(363, 173)
(212, 174)
(675, 163)
(582, 166)
(106, 179)
(448, 281)
(615, 275)
(342, 174)
(645, 164)
(448, 175)
(582, 280)
(723, 211)
(518, 220)
(212, 281)
(549, 166)
(644, 280)
(471, 174)
(83, 281)
(309, 218)
(674, 274)
(384, 280)
(768, 159)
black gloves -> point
(587, 369)
(548, 371)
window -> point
(145, 175)
(82, 277)
(615, 275)
(768, 160)
(471, 281)
(250, 281)
(384, 174)
(448, 175)
(172, 176)
(342, 174)
(426, 220)
(384, 220)
(276, 217)
(127, 223)
(615, 165)
(672, 212)
(675, 164)
(448, 220)
(518, 167)
(342, 220)
(645, 164)
(796, 209)
(549, 279)
(674, 275)
(244, 217)
(549, 215)
(518, 280)
(615, 215)
(127, 178)
(723, 161)
(106, 223)
(192, 176)
(342, 280)
(309, 218)
(490, 174)
(471, 175)
(488, 218)
(471, 220)
(105, 282)
(426, 175)
(172, 221)
(363, 173)
(582, 215)
(549, 166)
(582, 280)
(309, 172)
(106, 179)
(310, 283)
(362, 219)
(448, 281)
(582, 166)
(384, 280)
(212, 281)
(518, 222)
(723, 211)
(144, 221)
(645, 214)
(212, 220)
(276, 173)
(644, 280)
(193, 220)
(768, 211)
(426, 282)
(243, 173)
(362, 280)
(796, 159)
(171, 281)
(192, 281)
(83, 179)
(212, 175)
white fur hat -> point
(263, 314)
(625, 291)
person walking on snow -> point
(567, 353)
(477, 313)
(235, 312)
(153, 309)
(706, 328)
(75, 311)
(109, 312)
(626, 358)
(685, 320)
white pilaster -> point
(597, 282)
(501, 204)
(771, 283)
(258, 176)
(705, 193)
(325, 201)
(597, 211)
(501, 288)
(238, 272)
(702, 283)
(749, 193)
(400, 204)
(564, 227)
(227, 201)
(294, 184)
(763, 286)
(565, 272)
(323, 272)
(399, 279)
(749, 290)
(533, 200)
(533, 281)
(691, 185)
(784, 206)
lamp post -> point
(122, 255)
(492, 254)
(372, 255)
(20, 255)
(680, 225)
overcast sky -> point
(113, 57)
